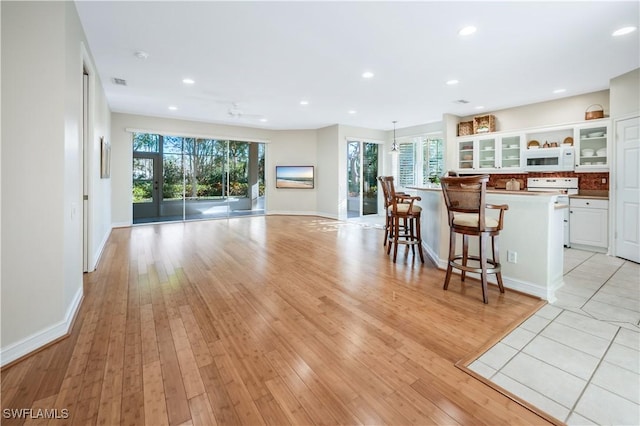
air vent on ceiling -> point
(120, 81)
(461, 101)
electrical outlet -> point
(604, 180)
(512, 256)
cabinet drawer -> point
(589, 203)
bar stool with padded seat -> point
(466, 207)
(402, 224)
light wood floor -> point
(268, 320)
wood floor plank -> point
(268, 320)
(243, 404)
(195, 336)
(155, 405)
(201, 412)
(221, 403)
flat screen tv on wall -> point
(296, 177)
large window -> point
(419, 158)
(178, 178)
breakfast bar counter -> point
(532, 235)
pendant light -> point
(394, 145)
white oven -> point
(564, 187)
(549, 159)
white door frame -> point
(613, 182)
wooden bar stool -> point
(402, 224)
(465, 200)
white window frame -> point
(417, 143)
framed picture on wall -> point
(297, 177)
(105, 159)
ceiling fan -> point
(235, 112)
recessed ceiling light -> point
(559, 90)
(188, 81)
(352, 111)
(480, 107)
(173, 107)
(623, 31)
(304, 102)
(141, 54)
(264, 120)
(367, 74)
(467, 30)
(452, 82)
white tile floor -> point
(578, 359)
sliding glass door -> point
(200, 178)
(362, 175)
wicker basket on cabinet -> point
(484, 124)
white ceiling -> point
(268, 56)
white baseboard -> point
(299, 213)
(43, 337)
(120, 225)
(514, 284)
(98, 253)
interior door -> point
(627, 235)
(147, 171)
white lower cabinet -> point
(589, 223)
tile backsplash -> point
(586, 181)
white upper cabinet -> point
(493, 153)
(591, 141)
(503, 152)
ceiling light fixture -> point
(141, 54)
(188, 81)
(304, 102)
(173, 107)
(559, 90)
(622, 31)
(480, 107)
(352, 111)
(452, 82)
(394, 145)
(467, 30)
(367, 74)
(264, 120)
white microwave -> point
(549, 159)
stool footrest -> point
(456, 262)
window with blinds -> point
(419, 158)
(406, 164)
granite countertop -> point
(594, 194)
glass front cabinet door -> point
(466, 154)
(487, 153)
(510, 155)
(592, 147)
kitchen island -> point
(532, 234)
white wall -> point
(41, 173)
(99, 189)
(625, 94)
(292, 148)
(327, 153)
(564, 110)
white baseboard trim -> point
(41, 338)
(514, 284)
(299, 213)
(120, 225)
(98, 253)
